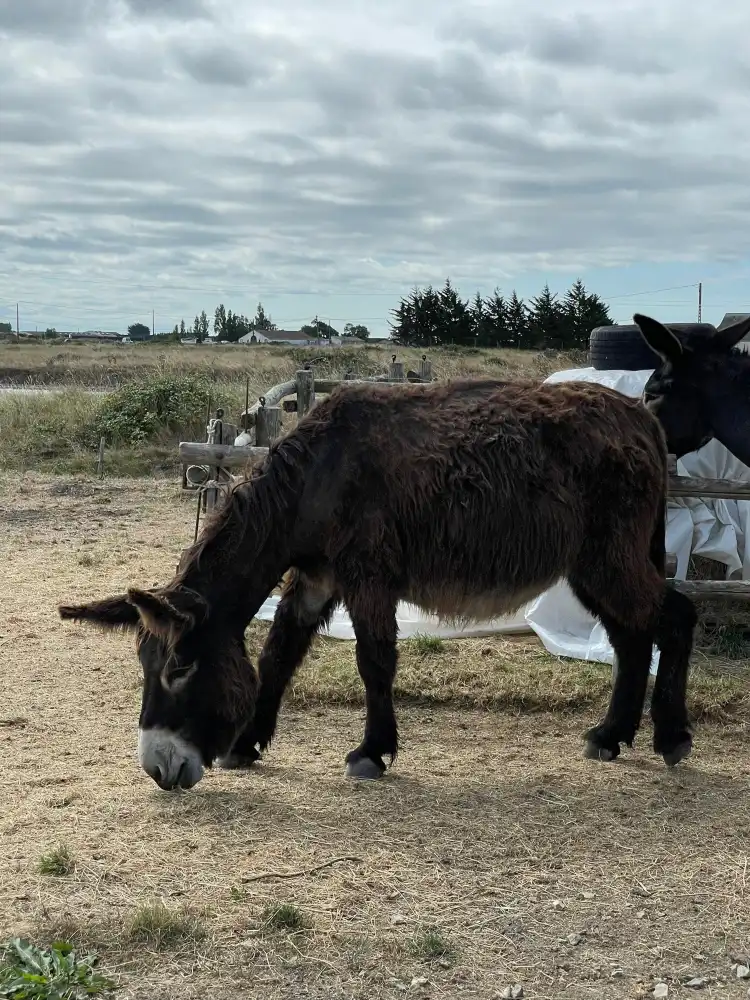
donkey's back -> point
(474, 496)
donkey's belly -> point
(452, 601)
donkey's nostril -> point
(155, 772)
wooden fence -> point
(212, 460)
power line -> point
(655, 291)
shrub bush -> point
(140, 411)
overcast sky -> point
(323, 158)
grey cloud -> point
(51, 18)
(33, 130)
(661, 107)
(569, 42)
(178, 10)
(458, 82)
(222, 65)
(140, 60)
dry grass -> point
(52, 431)
(102, 365)
(492, 838)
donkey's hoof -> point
(592, 751)
(237, 762)
(680, 752)
(363, 768)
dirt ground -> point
(492, 856)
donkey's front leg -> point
(305, 607)
(373, 616)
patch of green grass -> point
(427, 645)
(729, 641)
(284, 917)
(497, 673)
(155, 924)
(28, 972)
(430, 944)
(58, 862)
(59, 431)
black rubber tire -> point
(620, 347)
(623, 347)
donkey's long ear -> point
(730, 336)
(659, 337)
(165, 612)
(114, 612)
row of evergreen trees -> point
(430, 318)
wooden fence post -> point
(100, 462)
(396, 373)
(267, 425)
(305, 392)
(425, 369)
(220, 431)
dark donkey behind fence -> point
(466, 498)
(701, 390)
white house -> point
(290, 338)
(296, 338)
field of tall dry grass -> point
(58, 430)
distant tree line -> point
(230, 326)
(430, 318)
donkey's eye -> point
(174, 677)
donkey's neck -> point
(245, 551)
(727, 406)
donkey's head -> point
(684, 391)
(199, 687)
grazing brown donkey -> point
(466, 498)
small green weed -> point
(729, 641)
(58, 862)
(156, 924)
(28, 972)
(284, 917)
(427, 645)
(430, 944)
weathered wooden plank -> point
(327, 385)
(716, 489)
(305, 391)
(226, 455)
(713, 590)
(396, 370)
(267, 425)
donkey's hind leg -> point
(306, 606)
(633, 647)
(673, 738)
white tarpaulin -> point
(715, 529)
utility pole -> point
(152, 323)
(700, 300)
(18, 329)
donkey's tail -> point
(658, 551)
